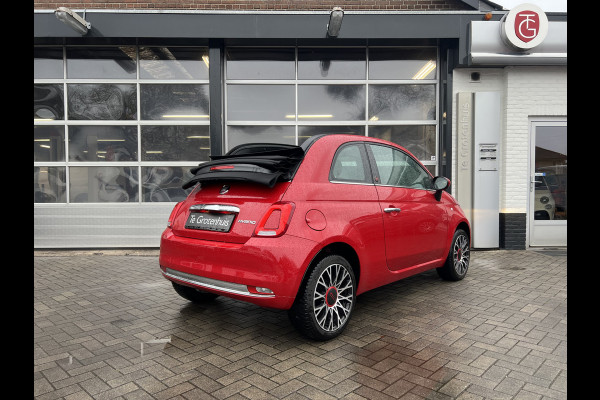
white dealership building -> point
(127, 100)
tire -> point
(325, 302)
(457, 263)
(193, 295)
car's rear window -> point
(350, 165)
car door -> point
(415, 223)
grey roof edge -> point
(266, 12)
(208, 24)
(256, 25)
(499, 11)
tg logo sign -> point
(527, 25)
(524, 27)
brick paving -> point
(109, 326)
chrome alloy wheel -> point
(333, 296)
(461, 254)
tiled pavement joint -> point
(107, 325)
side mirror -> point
(440, 183)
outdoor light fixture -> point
(335, 21)
(71, 19)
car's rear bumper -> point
(236, 270)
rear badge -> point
(224, 189)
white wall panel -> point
(100, 225)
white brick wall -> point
(527, 92)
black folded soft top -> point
(262, 163)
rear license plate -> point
(209, 221)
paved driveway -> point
(107, 325)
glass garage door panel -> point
(260, 63)
(260, 102)
(331, 63)
(240, 134)
(331, 102)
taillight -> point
(173, 214)
(275, 221)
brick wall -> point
(294, 5)
(530, 92)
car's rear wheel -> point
(193, 295)
(325, 302)
(459, 257)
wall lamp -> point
(72, 20)
(335, 21)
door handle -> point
(391, 210)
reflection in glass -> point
(402, 63)
(431, 169)
(174, 102)
(398, 169)
(101, 62)
(105, 184)
(237, 135)
(47, 63)
(260, 102)
(173, 63)
(260, 63)
(175, 143)
(103, 143)
(418, 139)
(102, 101)
(163, 183)
(48, 103)
(390, 164)
(550, 173)
(305, 132)
(330, 63)
(49, 184)
(401, 102)
(48, 143)
(331, 102)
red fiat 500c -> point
(308, 228)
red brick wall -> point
(297, 5)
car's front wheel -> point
(325, 302)
(459, 258)
(193, 295)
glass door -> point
(548, 183)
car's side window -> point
(349, 165)
(399, 169)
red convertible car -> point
(308, 228)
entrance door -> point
(548, 183)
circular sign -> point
(524, 27)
